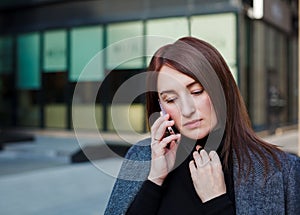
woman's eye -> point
(170, 100)
(197, 92)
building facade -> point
(46, 47)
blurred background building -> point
(45, 44)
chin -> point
(195, 134)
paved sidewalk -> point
(80, 189)
(287, 141)
(37, 177)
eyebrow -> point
(191, 84)
(167, 91)
(173, 91)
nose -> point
(188, 106)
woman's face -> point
(187, 103)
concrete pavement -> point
(287, 141)
(37, 177)
(79, 189)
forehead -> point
(168, 77)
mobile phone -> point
(169, 130)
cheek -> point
(211, 111)
(174, 113)
(208, 106)
(205, 107)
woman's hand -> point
(163, 150)
(207, 175)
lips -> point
(192, 124)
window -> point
(163, 31)
(86, 43)
(220, 31)
(28, 68)
(125, 45)
(55, 45)
(6, 54)
(28, 79)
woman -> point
(214, 163)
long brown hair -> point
(239, 137)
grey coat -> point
(278, 194)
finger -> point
(160, 132)
(172, 137)
(214, 157)
(159, 121)
(193, 167)
(175, 143)
(197, 159)
(159, 127)
(169, 139)
(204, 157)
(167, 145)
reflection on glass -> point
(28, 79)
(86, 42)
(28, 108)
(85, 102)
(28, 53)
(54, 90)
(123, 115)
(125, 52)
(168, 29)
(6, 54)
(55, 44)
(208, 28)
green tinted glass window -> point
(28, 51)
(125, 45)
(208, 28)
(164, 31)
(55, 43)
(86, 43)
(6, 54)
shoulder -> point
(133, 172)
(288, 161)
(289, 165)
(141, 151)
(270, 162)
(136, 164)
(279, 168)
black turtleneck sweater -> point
(177, 195)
